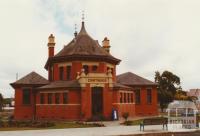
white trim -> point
(54, 91)
(121, 91)
(71, 104)
(64, 64)
(122, 103)
(90, 63)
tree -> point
(168, 83)
(1, 102)
(182, 95)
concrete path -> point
(96, 131)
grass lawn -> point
(137, 122)
(58, 125)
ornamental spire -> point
(83, 16)
(83, 31)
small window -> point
(61, 69)
(65, 98)
(49, 98)
(137, 96)
(86, 68)
(149, 96)
(68, 72)
(94, 68)
(42, 98)
(26, 96)
(57, 98)
(120, 97)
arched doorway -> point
(97, 101)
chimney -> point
(106, 44)
(51, 44)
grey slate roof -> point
(83, 47)
(132, 79)
(32, 78)
(83, 44)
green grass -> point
(17, 128)
(137, 122)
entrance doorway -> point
(97, 101)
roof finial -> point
(83, 16)
(83, 31)
(75, 27)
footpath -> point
(111, 130)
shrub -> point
(36, 124)
(128, 123)
(125, 115)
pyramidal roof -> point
(32, 78)
(85, 47)
(83, 44)
(132, 79)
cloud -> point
(146, 35)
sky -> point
(147, 35)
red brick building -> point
(82, 84)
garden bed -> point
(30, 125)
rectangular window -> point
(61, 73)
(131, 98)
(42, 98)
(137, 96)
(65, 98)
(57, 98)
(49, 98)
(124, 97)
(149, 96)
(128, 97)
(26, 96)
(120, 97)
(68, 72)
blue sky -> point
(147, 35)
